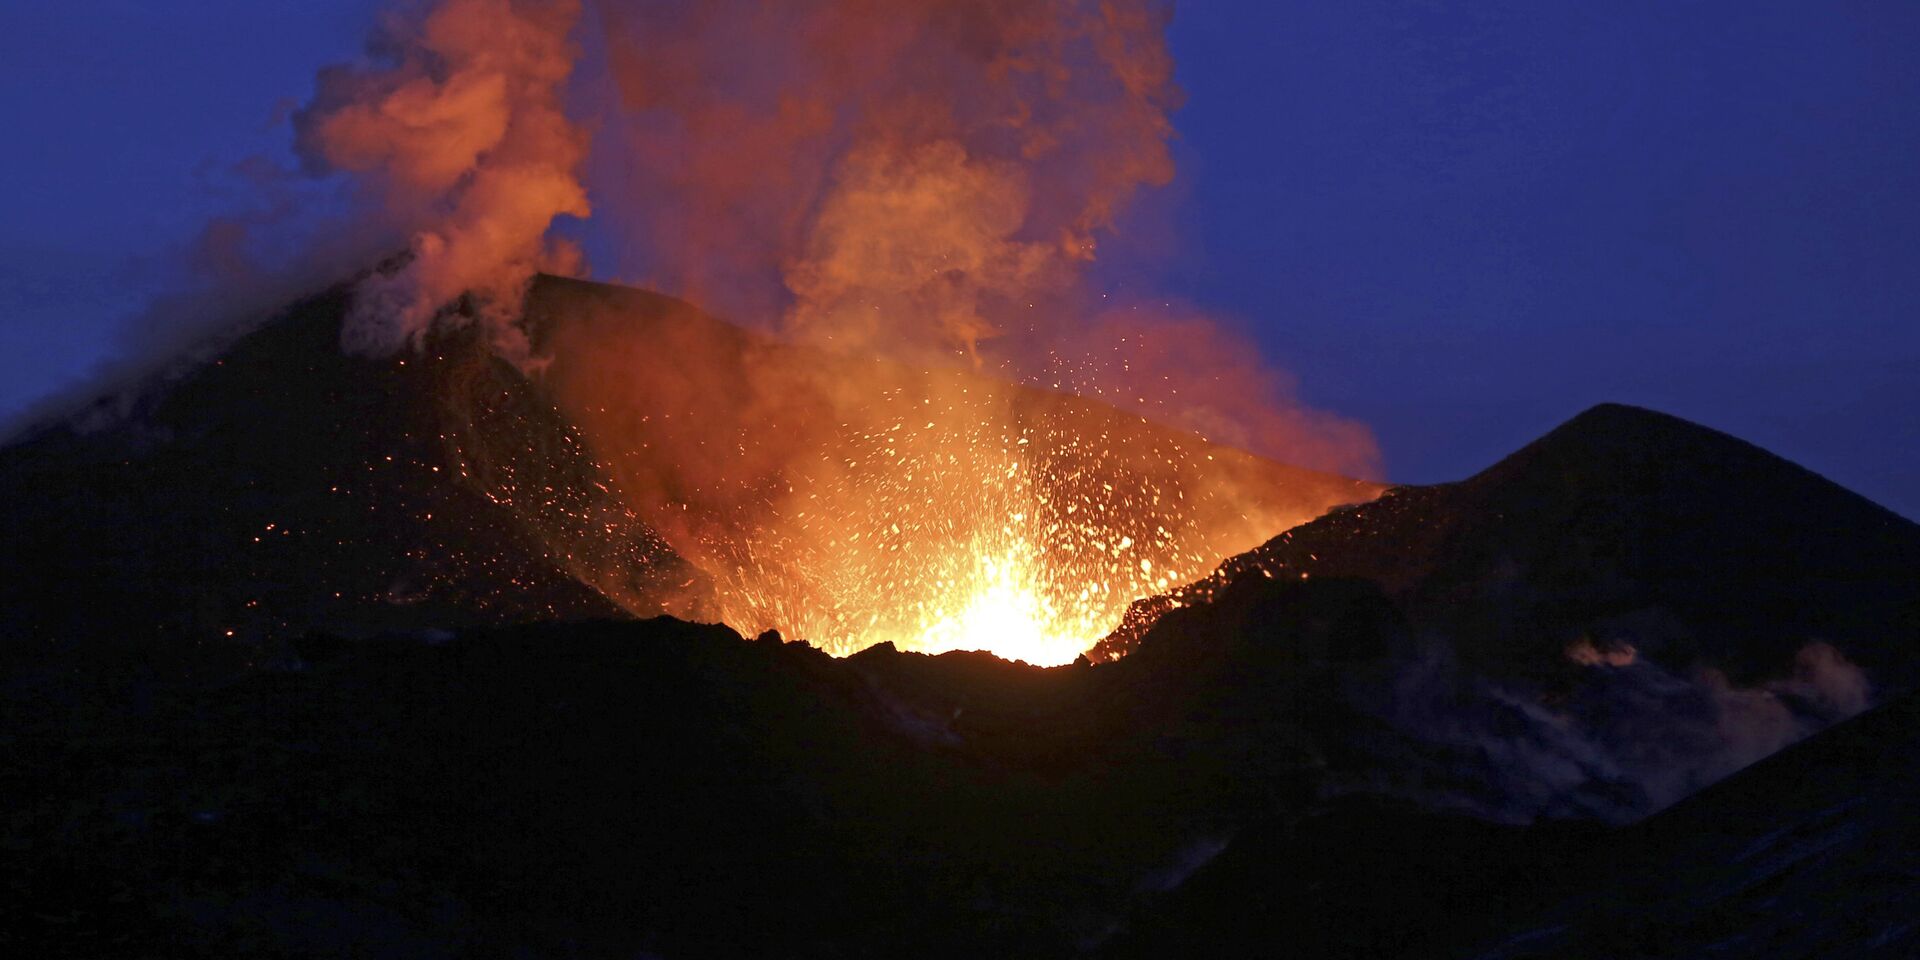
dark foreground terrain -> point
(282, 485)
(1515, 716)
(659, 788)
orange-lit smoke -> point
(902, 200)
(455, 124)
(908, 175)
(850, 499)
(928, 182)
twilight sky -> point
(1460, 222)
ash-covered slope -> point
(1624, 528)
(284, 486)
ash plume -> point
(923, 182)
(912, 194)
(454, 126)
(446, 140)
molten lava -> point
(849, 501)
(973, 528)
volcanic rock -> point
(1437, 724)
(286, 486)
(1625, 528)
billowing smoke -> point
(454, 126)
(894, 174)
(908, 179)
(921, 181)
(927, 182)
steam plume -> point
(933, 164)
(921, 185)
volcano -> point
(285, 487)
(312, 655)
(1624, 528)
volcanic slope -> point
(1579, 636)
(1631, 531)
(1813, 853)
(848, 499)
(279, 487)
(284, 487)
(1297, 765)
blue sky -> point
(1458, 222)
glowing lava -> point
(949, 513)
(848, 501)
(888, 191)
(1003, 611)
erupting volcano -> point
(849, 501)
(934, 428)
(725, 478)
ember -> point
(909, 242)
(849, 501)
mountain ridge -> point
(1471, 685)
(1575, 534)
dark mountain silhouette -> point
(1436, 743)
(1575, 625)
(659, 787)
(284, 487)
(601, 789)
(1624, 527)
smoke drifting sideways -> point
(1625, 737)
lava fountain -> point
(904, 196)
(851, 501)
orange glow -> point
(848, 501)
(904, 197)
(1001, 609)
